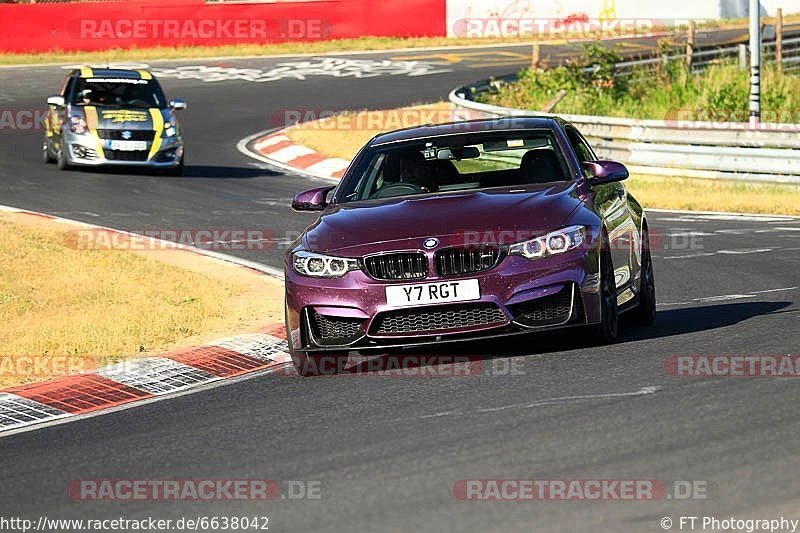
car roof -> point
(468, 126)
(112, 73)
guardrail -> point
(770, 153)
(703, 57)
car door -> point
(611, 202)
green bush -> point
(720, 92)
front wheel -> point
(607, 331)
(645, 312)
(46, 157)
(61, 158)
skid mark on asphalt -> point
(729, 218)
(744, 251)
(644, 391)
(726, 297)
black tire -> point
(645, 312)
(607, 331)
(61, 159)
(46, 156)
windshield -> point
(455, 163)
(130, 93)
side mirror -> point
(57, 101)
(178, 104)
(601, 172)
(312, 200)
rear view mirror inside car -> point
(449, 154)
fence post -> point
(536, 58)
(779, 39)
(742, 56)
(690, 44)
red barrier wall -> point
(141, 24)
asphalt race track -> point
(387, 451)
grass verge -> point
(719, 93)
(344, 135)
(95, 307)
(363, 44)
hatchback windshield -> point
(456, 162)
(118, 93)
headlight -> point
(77, 124)
(170, 129)
(553, 243)
(322, 266)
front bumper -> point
(516, 296)
(88, 150)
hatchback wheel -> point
(61, 158)
(46, 157)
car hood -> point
(115, 118)
(501, 215)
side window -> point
(66, 87)
(579, 144)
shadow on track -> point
(189, 172)
(671, 322)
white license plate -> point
(127, 146)
(430, 293)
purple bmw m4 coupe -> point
(467, 230)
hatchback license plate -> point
(127, 146)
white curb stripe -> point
(272, 140)
(328, 167)
(156, 375)
(16, 412)
(256, 345)
(290, 153)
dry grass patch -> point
(109, 305)
(692, 194)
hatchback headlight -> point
(77, 124)
(170, 129)
(557, 242)
(322, 266)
